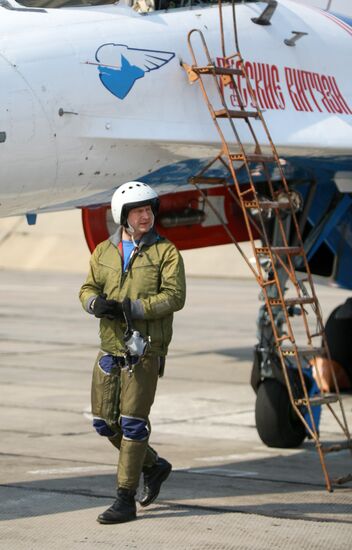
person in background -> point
(338, 331)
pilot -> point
(136, 277)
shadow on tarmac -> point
(267, 487)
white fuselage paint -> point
(48, 66)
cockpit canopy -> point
(158, 4)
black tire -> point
(277, 423)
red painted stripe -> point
(338, 22)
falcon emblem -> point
(120, 66)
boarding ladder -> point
(288, 252)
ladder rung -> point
(252, 157)
(299, 300)
(323, 399)
(316, 334)
(336, 447)
(270, 282)
(266, 205)
(283, 338)
(225, 113)
(301, 350)
(342, 480)
(212, 181)
(213, 69)
(292, 301)
(246, 192)
(292, 250)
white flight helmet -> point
(131, 195)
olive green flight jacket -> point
(154, 281)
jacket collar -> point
(149, 238)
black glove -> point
(107, 308)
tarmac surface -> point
(227, 489)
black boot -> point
(123, 509)
(153, 478)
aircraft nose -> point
(25, 134)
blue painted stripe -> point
(344, 18)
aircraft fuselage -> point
(91, 98)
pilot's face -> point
(141, 219)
